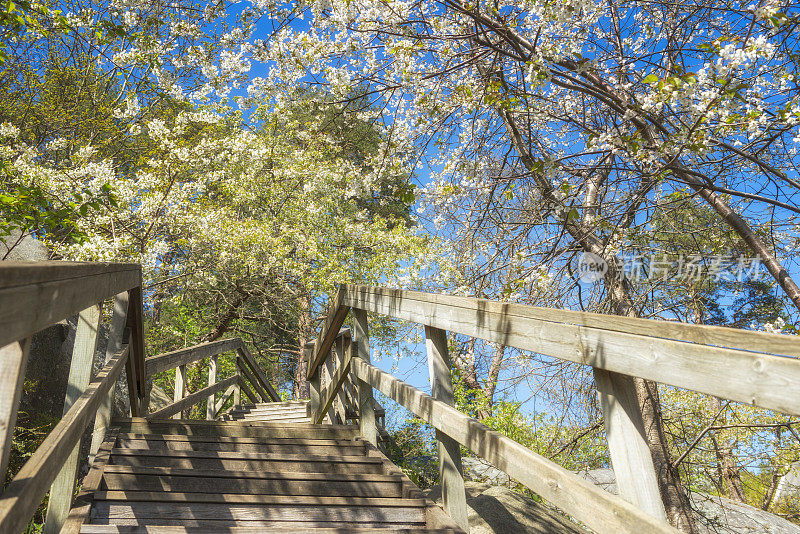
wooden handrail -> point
(25, 492)
(751, 367)
(337, 312)
(35, 295)
(597, 508)
(716, 367)
(328, 395)
(192, 399)
(176, 358)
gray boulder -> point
(501, 510)
(714, 515)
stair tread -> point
(235, 439)
(212, 473)
(141, 529)
(245, 455)
(174, 496)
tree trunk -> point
(302, 389)
(726, 463)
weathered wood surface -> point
(80, 511)
(80, 370)
(212, 379)
(246, 390)
(753, 378)
(701, 334)
(178, 393)
(225, 396)
(135, 368)
(190, 400)
(598, 509)
(34, 295)
(451, 473)
(295, 446)
(627, 442)
(23, 495)
(168, 360)
(13, 362)
(244, 369)
(119, 317)
(331, 391)
(259, 374)
(366, 412)
(334, 320)
(236, 429)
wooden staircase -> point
(246, 475)
(283, 412)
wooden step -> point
(236, 429)
(243, 461)
(162, 529)
(320, 447)
(125, 478)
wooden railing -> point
(750, 367)
(34, 296)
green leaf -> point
(650, 78)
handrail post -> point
(313, 381)
(180, 387)
(135, 367)
(13, 362)
(337, 361)
(80, 371)
(451, 474)
(366, 411)
(117, 330)
(627, 442)
(212, 379)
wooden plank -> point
(25, 492)
(190, 400)
(748, 377)
(720, 336)
(334, 320)
(307, 447)
(223, 399)
(169, 360)
(250, 474)
(262, 379)
(239, 455)
(366, 413)
(211, 403)
(34, 295)
(343, 350)
(237, 429)
(315, 388)
(80, 370)
(116, 331)
(309, 465)
(13, 362)
(271, 525)
(329, 394)
(627, 443)
(91, 482)
(143, 510)
(243, 388)
(162, 496)
(598, 509)
(135, 369)
(260, 392)
(179, 393)
(451, 473)
(273, 529)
